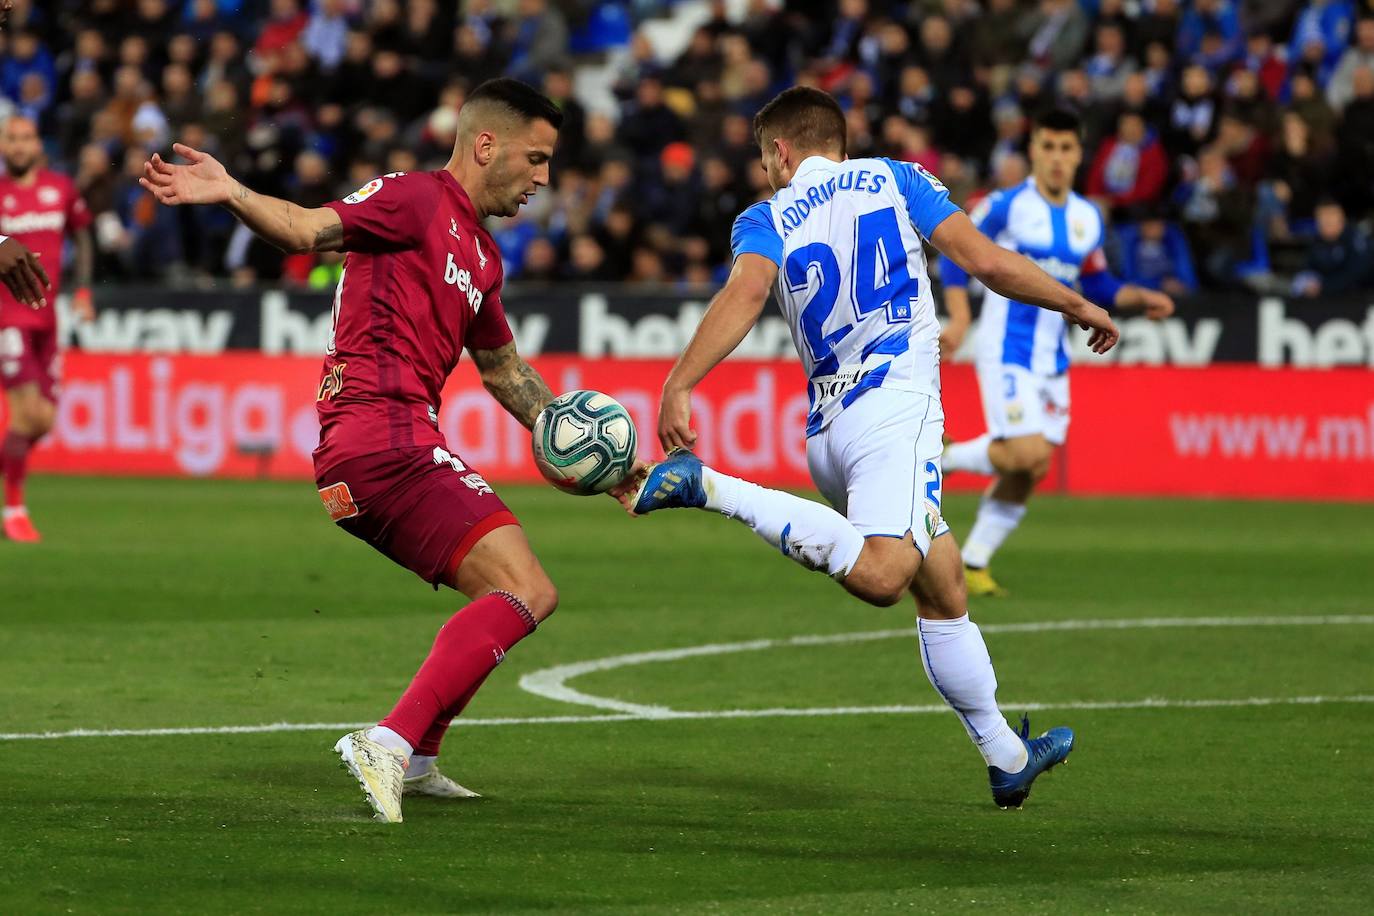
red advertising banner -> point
(1234, 431)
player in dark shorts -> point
(422, 281)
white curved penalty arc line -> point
(775, 713)
(552, 683)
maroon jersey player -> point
(40, 209)
(421, 283)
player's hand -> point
(202, 181)
(22, 275)
(675, 420)
(1157, 306)
(83, 304)
(624, 492)
(1094, 318)
(952, 338)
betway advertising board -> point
(1218, 431)
(617, 322)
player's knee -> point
(539, 594)
(40, 419)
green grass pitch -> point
(159, 604)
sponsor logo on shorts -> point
(1015, 412)
(338, 501)
(332, 383)
(932, 518)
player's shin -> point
(957, 662)
(997, 519)
(427, 749)
(14, 463)
(814, 535)
(473, 642)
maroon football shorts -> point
(420, 506)
(30, 355)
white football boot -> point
(380, 772)
(436, 784)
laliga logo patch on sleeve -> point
(363, 193)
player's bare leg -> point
(884, 570)
(958, 665)
(510, 594)
(1019, 462)
(31, 416)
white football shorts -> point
(878, 463)
(1018, 402)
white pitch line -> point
(551, 683)
(775, 713)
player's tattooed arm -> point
(203, 180)
(513, 382)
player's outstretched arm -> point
(729, 317)
(1016, 277)
(513, 382)
(202, 180)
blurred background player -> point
(39, 208)
(842, 239)
(421, 282)
(1023, 356)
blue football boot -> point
(673, 483)
(1052, 748)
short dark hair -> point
(807, 117)
(520, 99)
(1059, 119)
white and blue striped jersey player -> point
(1022, 355)
(853, 285)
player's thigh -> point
(939, 583)
(30, 412)
(891, 465)
(1028, 455)
(504, 561)
(425, 509)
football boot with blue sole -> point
(1044, 753)
(674, 483)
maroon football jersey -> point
(40, 215)
(422, 280)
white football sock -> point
(996, 520)
(957, 662)
(814, 535)
(969, 456)
(10, 512)
(390, 740)
(419, 765)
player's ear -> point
(484, 147)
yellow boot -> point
(981, 584)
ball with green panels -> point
(584, 442)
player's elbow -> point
(991, 266)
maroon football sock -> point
(429, 744)
(468, 647)
(14, 464)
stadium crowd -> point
(1231, 142)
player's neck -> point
(455, 168)
(1058, 199)
(25, 180)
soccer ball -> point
(584, 442)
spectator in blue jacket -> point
(1216, 19)
(1327, 23)
(1338, 261)
(1154, 254)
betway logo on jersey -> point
(52, 221)
(1062, 271)
(461, 277)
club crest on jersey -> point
(49, 196)
(338, 501)
(453, 228)
(481, 258)
(461, 277)
(363, 193)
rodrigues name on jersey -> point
(1065, 242)
(852, 279)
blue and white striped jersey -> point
(852, 279)
(1066, 242)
